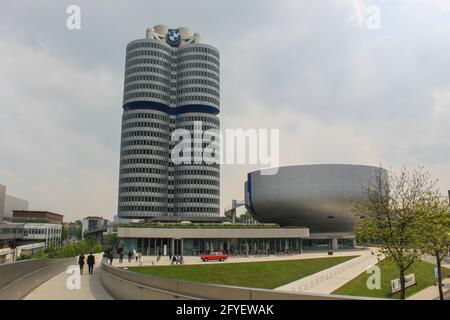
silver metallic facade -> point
(319, 197)
(171, 81)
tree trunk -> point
(402, 284)
(439, 274)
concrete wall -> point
(125, 285)
(20, 278)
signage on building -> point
(410, 280)
(173, 37)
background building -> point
(26, 216)
(171, 81)
(43, 232)
(10, 203)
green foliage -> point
(423, 271)
(393, 214)
(24, 256)
(110, 238)
(63, 234)
(70, 249)
(267, 274)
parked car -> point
(214, 256)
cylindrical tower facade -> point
(171, 82)
(198, 102)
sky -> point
(338, 89)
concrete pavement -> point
(56, 288)
(152, 260)
(329, 280)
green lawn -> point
(424, 272)
(267, 274)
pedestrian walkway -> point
(56, 288)
(329, 280)
(431, 292)
(165, 260)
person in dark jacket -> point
(130, 255)
(90, 263)
(81, 262)
(111, 257)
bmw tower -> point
(171, 83)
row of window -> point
(153, 53)
(185, 90)
(148, 61)
(143, 189)
(203, 82)
(199, 182)
(148, 44)
(128, 143)
(151, 86)
(200, 49)
(191, 57)
(145, 115)
(198, 172)
(154, 95)
(148, 77)
(151, 209)
(143, 161)
(199, 65)
(129, 152)
(198, 98)
(198, 200)
(147, 70)
(189, 118)
(142, 199)
(145, 133)
(148, 124)
(143, 180)
(143, 170)
(198, 73)
(215, 192)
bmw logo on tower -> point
(173, 37)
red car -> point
(214, 256)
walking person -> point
(90, 263)
(135, 255)
(121, 257)
(130, 255)
(81, 259)
(111, 257)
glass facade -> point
(233, 247)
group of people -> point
(177, 260)
(90, 262)
(132, 255)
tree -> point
(435, 233)
(63, 234)
(111, 239)
(391, 215)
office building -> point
(9, 203)
(32, 216)
(172, 82)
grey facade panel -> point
(319, 197)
